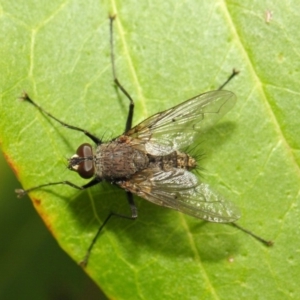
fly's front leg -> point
(96, 140)
(21, 192)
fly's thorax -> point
(119, 159)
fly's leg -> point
(119, 85)
(21, 192)
(128, 125)
(96, 140)
(134, 215)
(233, 74)
(131, 104)
(260, 239)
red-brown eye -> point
(86, 168)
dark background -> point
(32, 264)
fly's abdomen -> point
(185, 161)
(175, 159)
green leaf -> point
(166, 52)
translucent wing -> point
(179, 126)
(181, 190)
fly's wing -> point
(178, 127)
(180, 190)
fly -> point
(147, 160)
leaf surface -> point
(166, 52)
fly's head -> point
(83, 161)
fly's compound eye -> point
(82, 162)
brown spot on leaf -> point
(37, 204)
